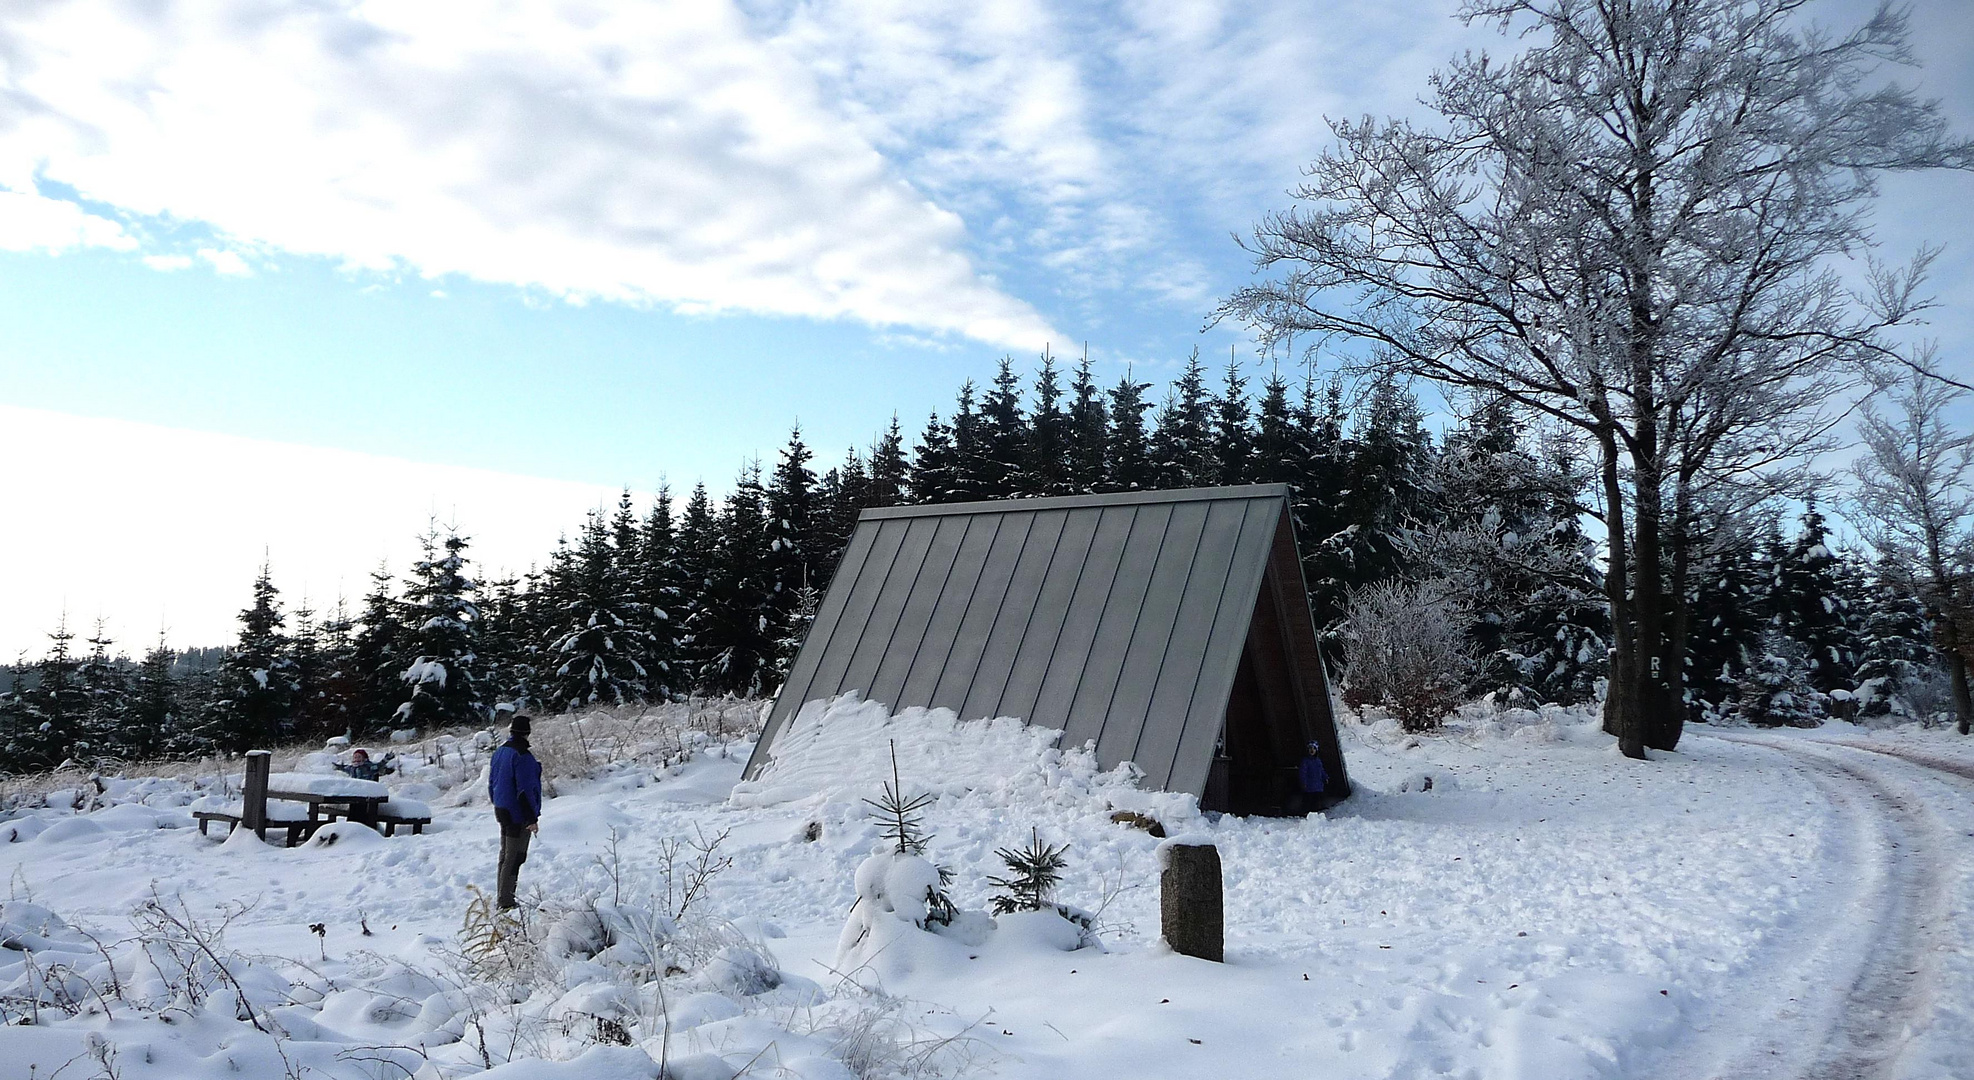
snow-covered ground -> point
(1760, 904)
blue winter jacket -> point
(1314, 777)
(514, 784)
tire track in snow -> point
(1865, 973)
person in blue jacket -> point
(1312, 779)
(514, 785)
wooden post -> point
(253, 812)
(1189, 903)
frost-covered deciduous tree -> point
(1628, 227)
(1409, 651)
(1915, 501)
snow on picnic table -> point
(328, 786)
(1547, 909)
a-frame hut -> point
(1171, 627)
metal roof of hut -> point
(1170, 627)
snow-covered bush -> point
(1408, 651)
(1776, 690)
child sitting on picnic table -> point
(362, 768)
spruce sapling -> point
(902, 817)
(1033, 874)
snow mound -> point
(404, 808)
(76, 830)
(841, 748)
(345, 836)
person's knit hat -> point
(521, 725)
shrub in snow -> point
(1408, 651)
(740, 971)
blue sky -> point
(597, 243)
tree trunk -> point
(1666, 731)
(1652, 700)
(1616, 578)
(1963, 704)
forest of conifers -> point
(1491, 524)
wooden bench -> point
(387, 816)
(390, 822)
(298, 831)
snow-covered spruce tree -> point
(840, 495)
(1503, 536)
(1088, 433)
(596, 646)
(311, 718)
(1127, 447)
(1182, 439)
(933, 463)
(442, 639)
(105, 685)
(973, 473)
(1355, 528)
(790, 532)
(1003, 436)
(509, 642)
(1895, 653)
(1045, 452)
(152, 724)
(890, 472)
(1233, 430)
(1726, 612)
(1310, 431)
(49, 716)
(795, 630)
(254, 689)
(1915, 502)
(732, 630)
(658, 594)
(1776, 690)
(1628, 226)
(1810, 604)
(376, 658)
(698, 548)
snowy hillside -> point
(1755, 905)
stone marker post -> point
(1189, 903)
(253, 812)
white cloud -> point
(647, 153)
(226, 263)
(168, 262)
(32, 222)
(324, 517)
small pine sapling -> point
(904, 826)
(1033, 874)
(903, 818)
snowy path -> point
(1855, 994)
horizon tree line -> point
(709, 598)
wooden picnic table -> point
(327, 797)
(342, 796)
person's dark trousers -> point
(513, 852)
